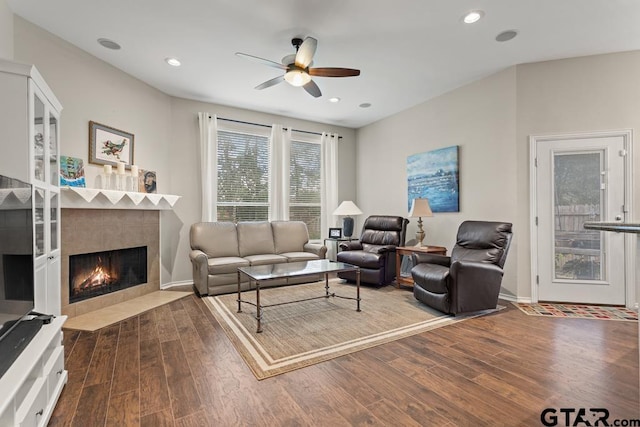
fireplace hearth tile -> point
(109, 315)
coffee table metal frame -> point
(264, 273)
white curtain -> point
(329, 183)
(280, 156)
(208, 152)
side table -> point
(337, 242)
(401, 251)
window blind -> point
(304, 184)
(243, 177)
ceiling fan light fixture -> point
(297, 77)
(472, 16)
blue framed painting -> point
(434, 175)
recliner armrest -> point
(316, 248)
(385, 248)
(427, 258)
(476, 272)
(351, 246)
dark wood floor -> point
(175, 366)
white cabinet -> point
(30, 123)
(32, 385)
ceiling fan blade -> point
(313, 89)
(333, 72)
(306, 52)
(261, 61)
(270, 83)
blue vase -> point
(347, 226)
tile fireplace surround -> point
(96, 230)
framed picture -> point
(147, 181)
(435, 175)
(71, 172)
(108, 146)
(335, 233)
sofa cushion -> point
(289, 236)
(300, 256)
(255, 238)
(216, 239)
(264, 259)
(224, 265)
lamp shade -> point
(347, 208)
(420, 208)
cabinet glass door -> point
(53, 150)
(38, 139)
(53, 206)
(39, 220)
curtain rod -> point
(269, 126)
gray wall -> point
(491, 120)
(6, 31)
(165, 129)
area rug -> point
(304, 333)
(581, 311)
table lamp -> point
(346, 209)
(420, 208)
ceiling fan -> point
(296, 67)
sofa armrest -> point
(316, 248)
(351, 246)
(427, 258)
(199, 266)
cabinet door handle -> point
(59, 372)
(39, 413)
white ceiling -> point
(408, 50)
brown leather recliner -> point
(375, 251)
(470, 279)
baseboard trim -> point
(173, 284)
(513, 298)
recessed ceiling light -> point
(365, 105)
(109, 44)
(172, 61)
(334, 99)
(472, 16)
(506, 35)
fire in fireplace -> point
(101, 273)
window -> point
(304, 184)
(243, 177)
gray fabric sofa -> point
(219, 248)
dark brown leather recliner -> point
(375, 252)
(470, 279)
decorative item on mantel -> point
(72, 172)
(419, 208)
(120, 181)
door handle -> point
(618, 217)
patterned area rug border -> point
(578, 311)
(266, 361)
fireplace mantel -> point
(93, 198)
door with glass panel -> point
(578, 180)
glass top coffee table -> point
(264, 273)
